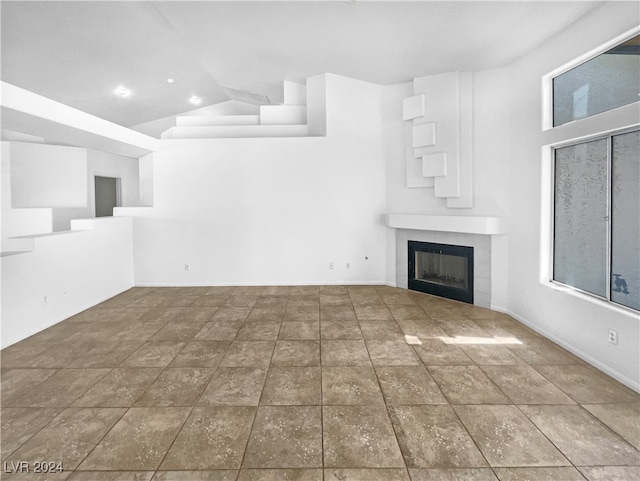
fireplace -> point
(441, 269)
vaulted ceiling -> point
(79, 52)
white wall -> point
(507, 181)
(393, 135)
(576, 322)
(230, 107)
(272, 211)
(18, 222)
(105, 165)
(12, 136)
(490, 162)
(491, 118)
(145, 184)
(73, 270)
(47, 175)
(490, 169)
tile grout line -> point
(475, 363)
(155, 470)
(322, 453)
(571, 464)
(449, 404)
(126, 409)
(7, 455)
(255, 416)
(422, 363)
(386, 407)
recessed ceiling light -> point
(170, 81)
(122, 91)
(195, 100)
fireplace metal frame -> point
(450, 292)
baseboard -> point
(265, 284)
(77, 310)
(502, 309)
(630, 383)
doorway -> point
(107, 195)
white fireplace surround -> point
(468, 231)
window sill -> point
(592, 299)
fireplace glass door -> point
(441, 269)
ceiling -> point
(79, 52)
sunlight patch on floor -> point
(415, 340)
(479, 340)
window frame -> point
(603, 125)
(547, 80)
(608, 217)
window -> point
(586, 89)
(625, 219)
(580, 253)
(597, 217)
(595, 172)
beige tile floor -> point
(308, 383)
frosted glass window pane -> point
(580, 252)
(625, 218)
(605, 82)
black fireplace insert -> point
(441, 269)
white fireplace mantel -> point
(448, 223)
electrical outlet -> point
(347, 265)
(330, 266)
(187, 267)
(45, 300)
(613, 336)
